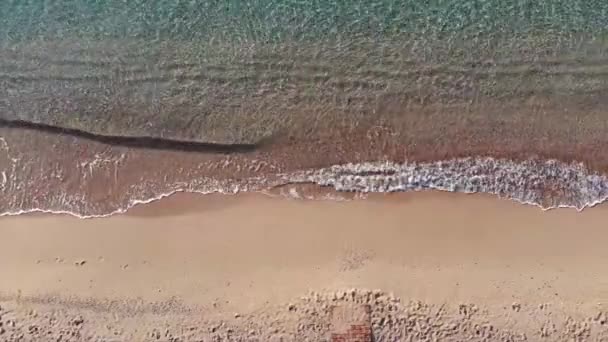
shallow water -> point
(499, 83)
(271, 20)
(93, 180)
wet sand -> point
(250, 254)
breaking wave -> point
(547, 184)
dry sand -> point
(214, 268)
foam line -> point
(547, 184)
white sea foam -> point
(547, 184)
(132, 203)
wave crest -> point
(544, 183)
(547, 184)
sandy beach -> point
(279, 171)
(244, 259)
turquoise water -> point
(272, 20)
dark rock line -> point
(138, 142)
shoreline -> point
(344, 182)
(95, 179)
(140, 205)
